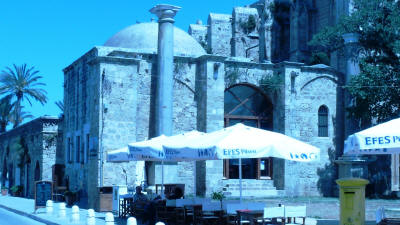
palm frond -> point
(23, 83)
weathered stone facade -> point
(28, 153)
(109, 98)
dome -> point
(142, 37)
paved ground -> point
(320, 211)
(25, 207)
(328, 208)
(10, 218)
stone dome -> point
(142, 37)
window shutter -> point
(395, 172)
(226, 168)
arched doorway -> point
(37, 171)
(11, 178)
(4, 174)
(247, 104)
(27, 176)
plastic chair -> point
(293, 212)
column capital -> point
(165, 13)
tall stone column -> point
(165, 66)
(352, 69)
(351, 166)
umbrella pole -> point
(240, 179)
(162, 179)
(194, 181)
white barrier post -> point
(75, 214)
(131, 221)
(90, 217)
(109, 219)
(61, 210)
(49, 207)
(160, 223)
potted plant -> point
(70, 197)
(218, 195)
(4, 190)
(16, 190)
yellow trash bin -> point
(352, 200)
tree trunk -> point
(3, 126)
(17, 111)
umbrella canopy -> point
(381, 139)
(152, 149)
(241, 141)
(235, 142)
(118, 155)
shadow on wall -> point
(326, 183)
(379, 175)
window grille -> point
(323, 121)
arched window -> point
(323, 121)
(37, 171)
(248, 105)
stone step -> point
(252, 193)
(250, 188)
(250, 184)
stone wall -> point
(219, 34)
(184, 112)
(324, 15)
(199, 33)
(100, 90)
(79, 85)
(300, 31)
(25, 147)
(306, 89)
(245, 37)
(242, 72)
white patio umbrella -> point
(380, 139)
(152, 150)
(119, 155)
(240, 141)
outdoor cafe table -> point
(250, 215)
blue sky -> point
(51, 34)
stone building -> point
(110, 99)
(28, 153)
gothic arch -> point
(27, 175)
(4, 171)
(37, 171)
(317, 78)
(246, 103)
(323, 113)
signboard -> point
(43, 192)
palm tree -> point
(60, 105)
(6, 108)
(22, 115)
(23, 84)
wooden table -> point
(250, 215)
(213, 217)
